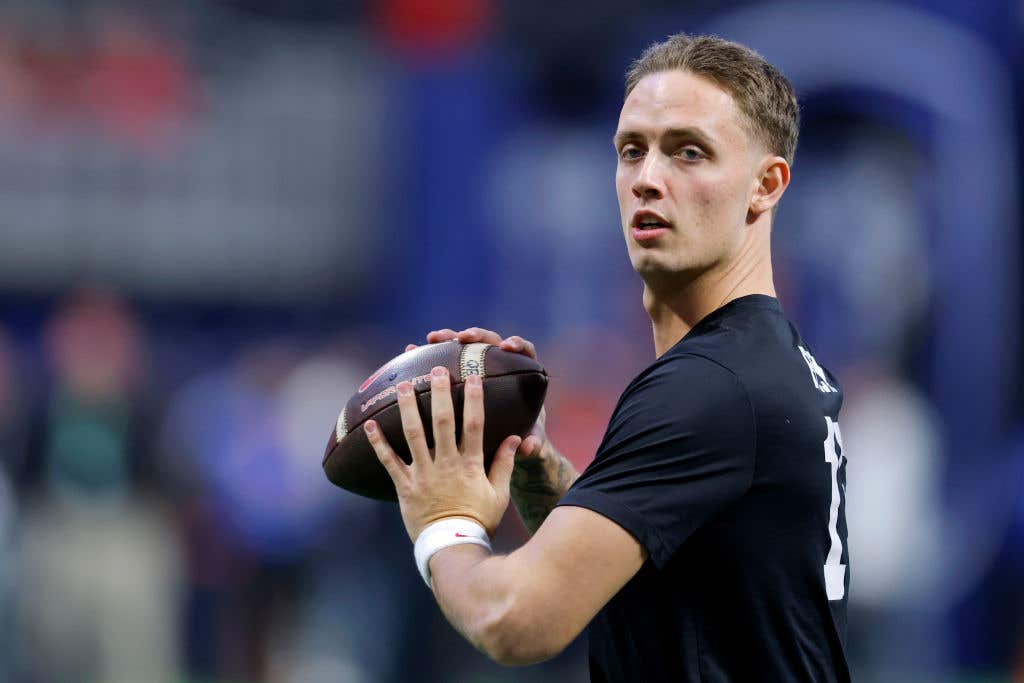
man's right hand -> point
(541, 475)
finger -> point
(504, 462)
(478, 334)
(438, 336)
(412, 424)
(442, 414)
(410, 347)
(473, 417)
(530, 448)
(397, 469)
(519, 345)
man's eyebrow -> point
(691, 133)
(696, 134)
(622, 137)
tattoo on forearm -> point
(538, 484)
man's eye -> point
(630, 153)
(691, 153)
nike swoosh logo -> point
(461, 535)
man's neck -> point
(675, 311)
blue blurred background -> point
(218, 216)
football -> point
(514, 388)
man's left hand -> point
(450, 481)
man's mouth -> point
(648, 226)
(649, 220)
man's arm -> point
(528, 606)
(538, 482)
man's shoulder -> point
(762, 351)
(682, 381)
(767, 357)
(755, 343)
(695, 364)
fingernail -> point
(439, 372)
(516, 442)
(473, 380)
(371, 427)
(404, 388)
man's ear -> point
(773, 180)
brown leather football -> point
(514, 389)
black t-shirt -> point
(724, 459)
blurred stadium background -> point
(218, 216)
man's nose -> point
(649, 182)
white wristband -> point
(444, 533)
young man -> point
(707, 539)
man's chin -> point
(649, 265)
(659, 275)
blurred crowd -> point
(163, 529)
(219, 217)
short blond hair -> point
(764, 96)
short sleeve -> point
(679, 449)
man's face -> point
(686, 173)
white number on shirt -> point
(835, 572)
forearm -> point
(539, 483)
(478, 595)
